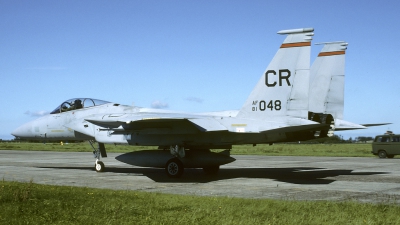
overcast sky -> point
(187, 55)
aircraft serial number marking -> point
(262, 105)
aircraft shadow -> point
(293, 175)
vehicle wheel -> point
(174, 168)
(99, 166)
(211, 170)
(382, 154)
(390, 156)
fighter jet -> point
(275, 111)
(326, 95)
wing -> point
(156, 121)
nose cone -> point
(24, 131)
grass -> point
(340, 150)
(29, 203)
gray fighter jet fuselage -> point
(275, 111)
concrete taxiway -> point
(276, 177)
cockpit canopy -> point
(77, 103)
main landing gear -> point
(97, 153)
(174, 167)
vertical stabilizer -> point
(327, 80)
(283, 88)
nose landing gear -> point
(98, 153)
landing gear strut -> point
(97, 153)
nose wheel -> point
(99, 166)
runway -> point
(274, 177)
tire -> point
(174, 168)
(99, 166)
(211, 170)
(382, 154)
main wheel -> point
(211, 170)
(99, 166)
(382, 154)
(174, 168)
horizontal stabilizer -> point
(341, 125)
(375, 124)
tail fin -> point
(283, 88)
(327, 80)
(326, 98)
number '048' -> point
(272, 105)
